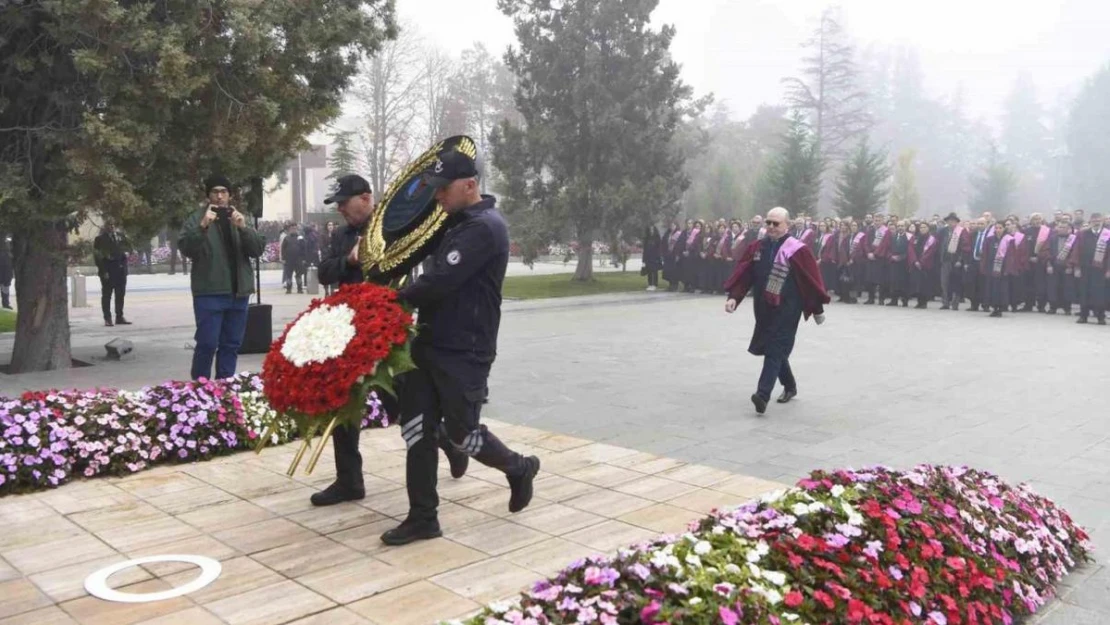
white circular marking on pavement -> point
(97, 583)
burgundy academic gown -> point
(803, 294)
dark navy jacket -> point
(459, 295)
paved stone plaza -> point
(668, 375)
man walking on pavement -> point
(459, 302)
(785, 283)
(110, 252)
(355, 202)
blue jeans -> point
(221, 324)
(775, 367)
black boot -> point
(411, 530)
(521, 485)
(760, 403)
(6, 299)
(337, 494)
(997, 313)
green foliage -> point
(122, 108)
(561, 285)
(904, 199)
(860, 189)
(993, 188)
(342, 160)
(594, 151)
(1089, 144)
(793, 179)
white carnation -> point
(320, 335)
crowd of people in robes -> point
(1011, 264)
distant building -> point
(299, 190)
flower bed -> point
(935, 545)
(48, 437)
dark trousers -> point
(290, 270)
(776, 366)
(173, 261)
(348, 459)
(446, 390)
(221, 323)
(653, 277)
(112, 282)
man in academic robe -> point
(899, 270)
(975, 282)
(954, 243)
(1037, 235)
(782, 276)
(1059, 275)
(878, 244)
(1092, 270)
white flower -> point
(837, 490)
(775, 577)
(702, 548)
(800, 509)
(320, 335)
(755, 570)
(499, 607)
(732, 569)
(693, 560)
(754, 556)
(816, 506)
(773, 496)
(694, 600)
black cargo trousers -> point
(444, 396)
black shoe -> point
(120, 321)
(1027, 308)
(955, 306)
(892, 302)
(410, 531)
(458, 460)
(760, 403)
(1067, 312)
(996, 314)
(1101, 321)
(521, 485)
(1081, 320)
(300, 291)
(922, 306)
(787, 395)
(1050, 311)
(288, 291)
(944, 307)
(336, 494)
(973, 309)
(108, 323)
(869, 302)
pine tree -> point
(595, 152)
(342, 160)
(904, 199)
(993, 187)
(1089, 145)
(794, 177)
(829, 90)
(861, 188)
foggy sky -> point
(739, 49)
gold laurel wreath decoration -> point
(373, 251)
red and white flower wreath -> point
(332, 353)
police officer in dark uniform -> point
(459, 305)
(355, 201)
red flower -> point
(793, 599)
(323, 388)
(824, 598)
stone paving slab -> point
(286, 562)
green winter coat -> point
(210, 273)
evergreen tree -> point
(829, 91)
(342, 160)
(861, 188)
(122, 108)
(904, 199)
(794, 177)
(595, 152)
(993, 187)
(1089, 145)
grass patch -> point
(7, 320)
(561, 285)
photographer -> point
(221, 245)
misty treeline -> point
(591, 135)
